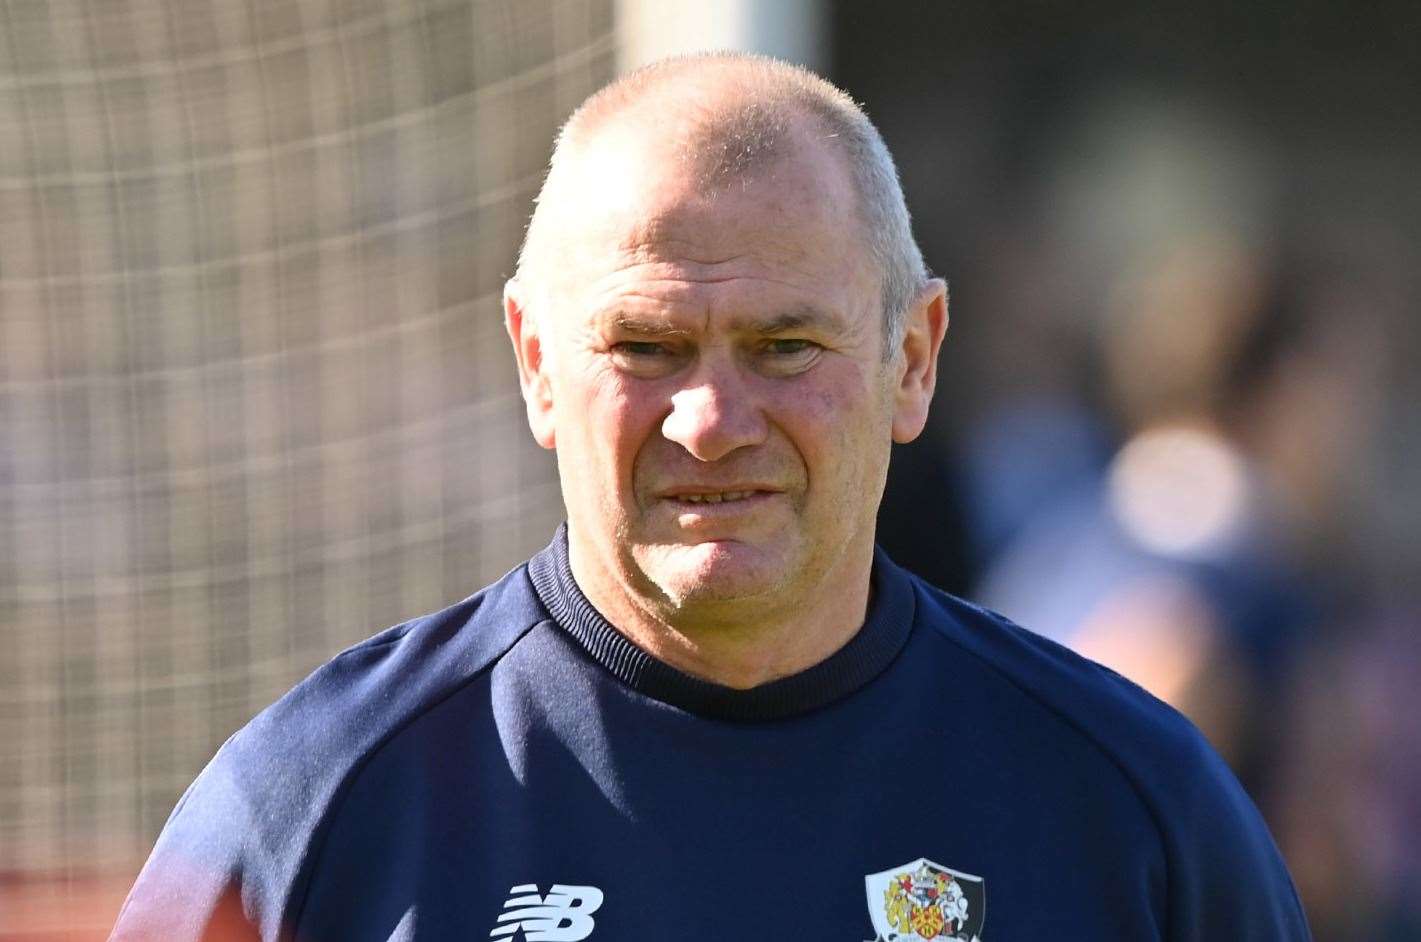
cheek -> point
(835, 407)
(614, 420)
(840, 426)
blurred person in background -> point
(1172, 561)
(1218, 530)
(712, 678)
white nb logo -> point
(564, 915)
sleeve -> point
(206, 878)
(1226, 876)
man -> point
(710, 710)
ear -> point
(532, 372)
(917, 360)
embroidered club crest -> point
(922, 900)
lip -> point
(697, 513)
(688, 510)
(680, 494)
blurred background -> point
(256, 402)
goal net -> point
(256, 402)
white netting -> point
(255, 397)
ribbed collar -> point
(868, 653)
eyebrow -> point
(635, 325)
(796, 319)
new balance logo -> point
(564, 915)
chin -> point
(712, 572)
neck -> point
(739, 643)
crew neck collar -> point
(864, 657)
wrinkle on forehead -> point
(696, 233)
(794, 317)
(636, 212)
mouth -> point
(717, 497)
(702, 501)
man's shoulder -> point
(1221, 859)
(253, 815)
(350, 705)
(1126, 722)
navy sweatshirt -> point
(514, 768)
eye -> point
(640, 348)
(788, 347)
(787, 356)
(646, 358)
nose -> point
(714, 417)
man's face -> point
(710, 368)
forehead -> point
(636, 205)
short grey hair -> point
(728, 142)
